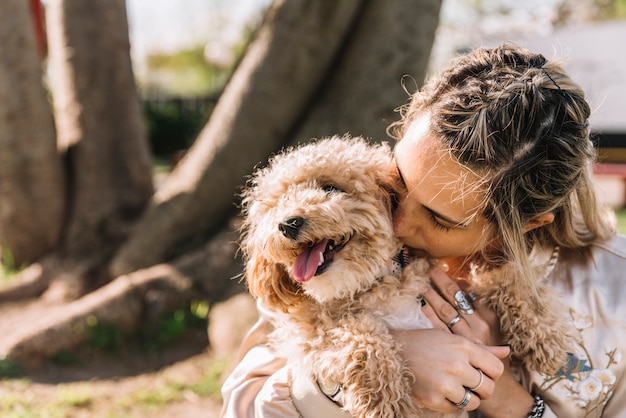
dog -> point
(317, 237)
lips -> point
(315, 259)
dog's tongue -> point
(306, 264)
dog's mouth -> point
(315, 259)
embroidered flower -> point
(604, 375)
(588, 384)
(583, 323)
(589, 389)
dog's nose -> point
(291, 226)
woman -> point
(496, 160)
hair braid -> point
(521, 123)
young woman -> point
(496, 160)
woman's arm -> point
(259, 384)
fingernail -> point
(422, 301)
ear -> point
(539, 221)
(272, 284)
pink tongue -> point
(306, 264)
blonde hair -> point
(519, 121)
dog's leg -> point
(375, 381)
(536, 329)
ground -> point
(175, 380)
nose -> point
(290, 227)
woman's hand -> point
(445, 364)
(482, 326)
(506, 397)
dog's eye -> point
(329, 188)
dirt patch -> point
(169, 382)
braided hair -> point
(521, 123)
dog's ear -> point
(389, 186)
(272, 284)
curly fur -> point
(536, 329)
(335, 323)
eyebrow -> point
(455, 224)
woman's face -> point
(438, 213)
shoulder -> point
(599, 270)
(614, 247)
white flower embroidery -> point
(604, 375)
(589, 389)
(587, 384)
(583, 323)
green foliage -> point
(151, 337)
(185, 73)
(621, 220)
(9, 369)
(610, 9)
(104, 335)
(174, 325)
(8, 266)
(65, 358)
(173, 124)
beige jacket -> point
(593, 386)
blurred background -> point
(139, 253)
(183, 55)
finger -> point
(465, 399)
(434, 319)
(500, 351)
(484, 358)
(446, 285)
(448, 315)
(442, 308)
(484, 385)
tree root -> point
(127, 302)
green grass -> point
(621, 220)
(18, 399)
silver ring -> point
(466, 399)
(472, 296)
(462, 303)
(480, 383)
(454, 321)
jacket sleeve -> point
(258, 387)
(261, 386)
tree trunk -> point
(31, 178)
(270, 91)
(315, 68)
(100, 127)
(391, 40)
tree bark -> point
(269, 92)
(130, 300)
(390, 44)
(31, 178)
(100, 126)
(315, 69)
(296, 81)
